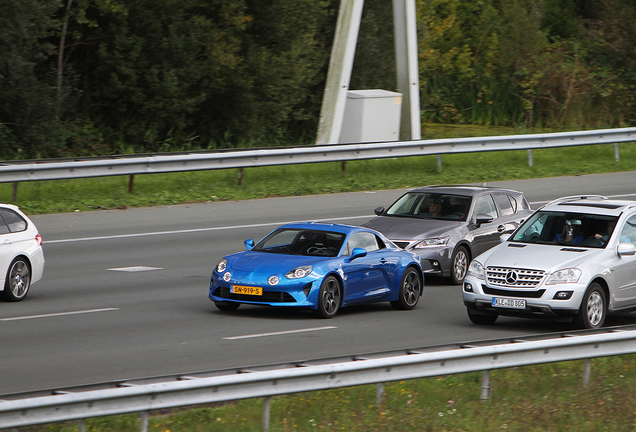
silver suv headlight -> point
(476, 269)
(570, 275)
(431, 242)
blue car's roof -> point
(341, 228)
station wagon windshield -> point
(567, 229)
(431, 206)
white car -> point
(574, 258)
(21, 256)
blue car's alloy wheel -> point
(329, 297)
(410, 289)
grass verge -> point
(292, 180)
(547, 397)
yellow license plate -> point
(237, 289)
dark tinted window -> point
(505, 206)
(13, 220)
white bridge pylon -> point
(341, 63)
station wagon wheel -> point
(18, 281)
(329, 297)
(459, 265)
(227, 306)
(410, 289)
(481, 319)
(593, 308)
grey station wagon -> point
(449, 225)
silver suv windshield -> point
(567, 229)
(431, 206)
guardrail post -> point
(144, 421)
(616, 155)
(240, 176)
(266, 412)
(379, 392)
(439, 163)
(587, 371)
(81, 425)
(530, 163)
(485, 386)
(131, 183)
(14, 196)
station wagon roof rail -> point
(575, 197)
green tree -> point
(27, 93)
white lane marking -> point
(197, 230)
(135, 269)
(239, 226)
(279, 333)
(59, 314)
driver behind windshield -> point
(571, 232)
(435, 208)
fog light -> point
(227, 276)
(435, 264)
(563, 295)
(468, 287)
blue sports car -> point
(318, 266)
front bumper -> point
(436, 260)
(297, 293)
(541, 301)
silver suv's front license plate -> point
(508, 303)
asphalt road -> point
(92, 319)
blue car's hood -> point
(404, 228)
(260, 261)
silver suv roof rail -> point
(575, 197)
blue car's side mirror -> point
(249, 244)
(357, 253)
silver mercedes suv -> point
(574, 258)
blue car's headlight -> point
(299, 272)
(432, 242)
(221, 266)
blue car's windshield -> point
(302, 242)
(431, 205)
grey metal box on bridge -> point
(371, 116)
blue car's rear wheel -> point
(227, 306)
(330, 297)
(410, 289)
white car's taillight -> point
(38, 238)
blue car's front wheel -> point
(329, 297)
(227, 306)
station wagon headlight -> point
(570, 275)
(221, 266)
(432, 242)
(476, 269)
(299, 272)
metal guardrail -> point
(303, 377)
(21, 171)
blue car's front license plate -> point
(239, 289)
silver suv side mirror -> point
(626, 249)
